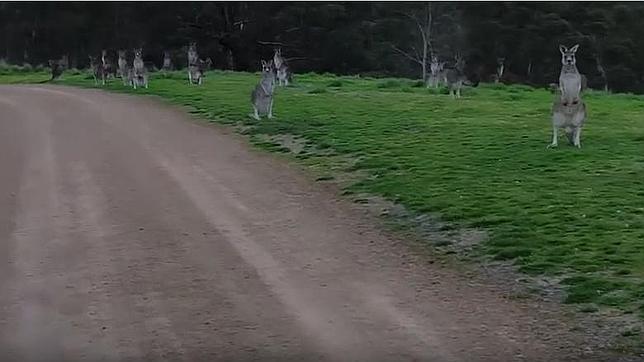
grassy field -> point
(481, 161)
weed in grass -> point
(318, 91)
(390, 83)
(588, 308)
(325, 178)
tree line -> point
(371, 39)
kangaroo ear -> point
(574, 49)
(562, 49)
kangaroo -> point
(281, 69)
(56, 69)
(193, 58)
(455, 77)
(277, 58)
(122, 67)
(107, 65)
(262, 96)
(197, 71)
(140, 73)
(569, 78)
(167, 62)
(437, 74)
(58, 66)
(98, 71)
(568, 109)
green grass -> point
(480, 161)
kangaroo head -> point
(192, 47)
(459, 62)
(267, 67)
(568, 55)
(138, 53)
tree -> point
(423, 24)
(382, 39)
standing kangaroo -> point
(455, 78)
(167, 62)
(569, 78)
(58, 66)
(140, 73)
(436, 76)
(122, 67)
(568, 109)
(277, 58)
(262, 96)
(281, 69)
(107, 64)
(193, 58)
(98, 71)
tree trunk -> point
(529, 68)
(425, 62)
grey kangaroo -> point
(197, 71)
(262, 96)
(58, 66)
(167, 62)
(568, 109)
(569, 78)
(122, 67)
(140, 73)
(455, 77)
(107, 65)
(193, 58)
(98, 71)
(281, 69)
(56, 69)
(437, 74)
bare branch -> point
(416, 52)
(295, 58)
(407, 55)
(430, 19)
(270, 43)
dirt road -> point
(130, 232)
